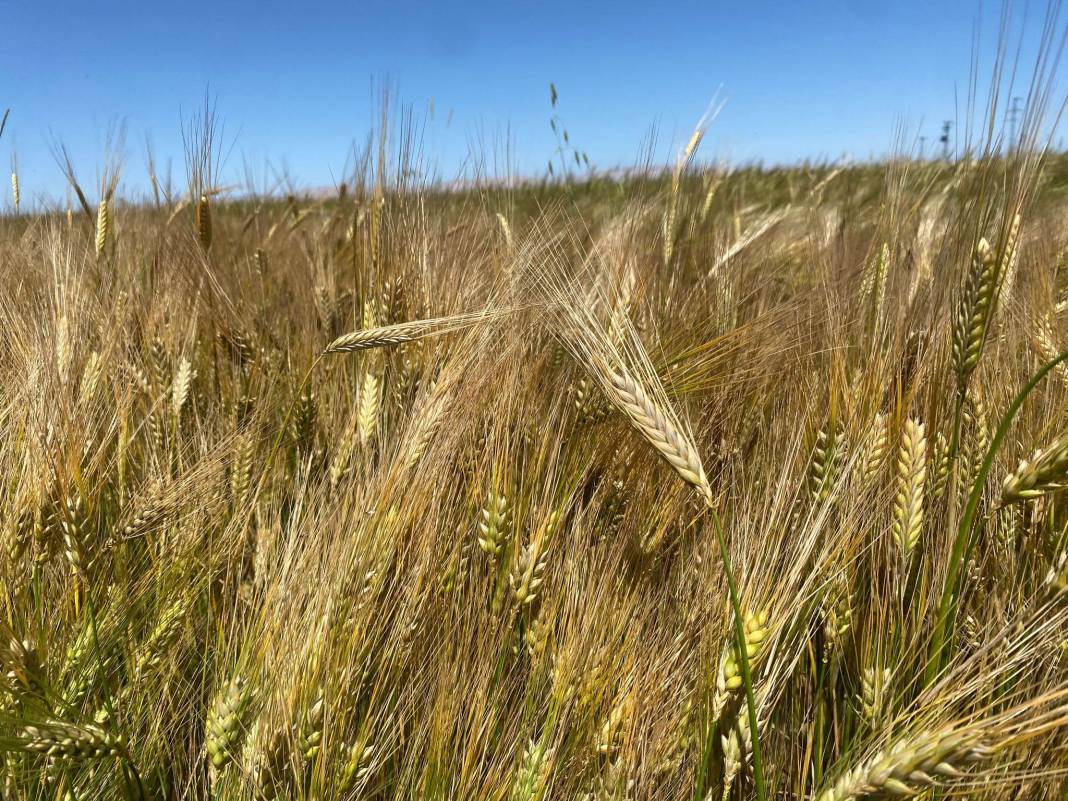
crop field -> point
(695, 483)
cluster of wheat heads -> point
(406, 493)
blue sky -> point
(293, 81)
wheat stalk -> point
(202, 222)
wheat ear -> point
(399, 333)
(911, 472)
(103, 226)
(1046, 471)
(906, 767)
(654, 425)
(225, 728)
(69, 741)
(369, 406)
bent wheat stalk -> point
(626, 380)
(399, 333)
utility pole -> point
(923, 146)
(944, 139)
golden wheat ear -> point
(399, 333)
(655, 425)
(909, 765)
(103, 227)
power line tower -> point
(1014, 118)
(944, 139)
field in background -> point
(415, 494)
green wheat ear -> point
(227, 722)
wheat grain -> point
(527, 575)
(873, 683)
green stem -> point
(940, 646)
(743, 656)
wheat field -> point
(701, 483)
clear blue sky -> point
(802, 79)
